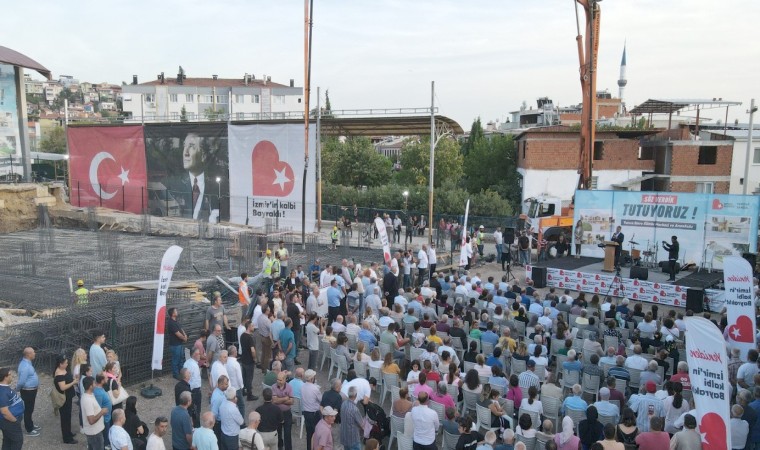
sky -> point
(485, 56)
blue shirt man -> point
(104, 401)
(414, 304)
(27, 376)
(333, 296)
(489, 336)
(500, 300)
(181, 427)
(368, 338)
(286, 338)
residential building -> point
(245, 98)
(547, 159)
(738, 139)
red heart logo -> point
(678, 288)
(662, 293)
(635, 282)
(641, 290)
(713, 428)
(561, 284)
(596, 290)
(716, 204)
(271, 177)
(548, 277)
(657, 285)
(597, 277)
(584, 281)
(161, 320)
(635, 295)
(567, 279)
(577, 287)
(742, 330)
(655, 299)
(676, 302)
(387, 257)
(561, 272)
(528, 268)
(616, 292)
(683, 296)
(579, 274)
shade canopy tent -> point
(14, 58)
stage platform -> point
(586, 274)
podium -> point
(609, 256)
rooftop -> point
(14, 58)
(669, 106)
(219, 82)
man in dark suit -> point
(618, 237)
(673, 248)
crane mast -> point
(587, 56)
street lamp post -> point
(406, 219)
(219, 198)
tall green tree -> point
(54, 142)
(415, 162)
(354, 162)
(476, 135)
(491, 164)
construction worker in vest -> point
(268, 260)
(276, 267)
(282, 252)
(334, 237)
(479, 240)
(83, 295)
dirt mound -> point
(19, 202)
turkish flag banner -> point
(740, 305)
(107, 167)
(708, 373)
(266, 166)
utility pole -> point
(752, 110)
(319, 163)
(432, 162)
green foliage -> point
(67, 94)
(476, 135)
(415, 162)
(490, 165)
(213, 114)
(449, 199)
(183, 114)
(354, 163)
(54, 142)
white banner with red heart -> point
(168, 262)
(601, 284)
(708, 373)
(266, 176)
(740, 305)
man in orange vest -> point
(244, 297)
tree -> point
(183, 114)
(490, 164)
(213, 114)
(54, 142)
(67, 94)
(476, 135)
(415, 162)
(354, 162)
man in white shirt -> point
(352, 327)
(422, 263)
(92, 415)
(250, 435)
(337, 325)
(461, 289)
(636, 361)
(426, 424)
(607, 305)
(325, 277)
(195, 384)
(363, 387)
(235, 373)
(219, 368)
(156, 438)
(426, 291)
(432, 259)
(401, 300)
(117, 435)
(545, 320)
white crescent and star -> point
(281, 178)
(94, 181)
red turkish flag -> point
(271, 176)
(107, 167)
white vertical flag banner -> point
(171, 256)
(462, 251)
(383, 233)
(708, 374)
(737, 277)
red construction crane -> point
(587, 56)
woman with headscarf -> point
(566, 439)
(590, 430)
(136, 428)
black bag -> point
(382, 428)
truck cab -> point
(548, 217)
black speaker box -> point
(641, 273)
(695, 300)
(539, 277)
(751, 259)
(665, 266)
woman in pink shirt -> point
(514, 393)
(441, 395)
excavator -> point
(548, 217)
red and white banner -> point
(107, 167)
(708, 374)
(171, 256)
(603, 284)
(267, 176)
(462, 251)
(738, 298)
(383, 233)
